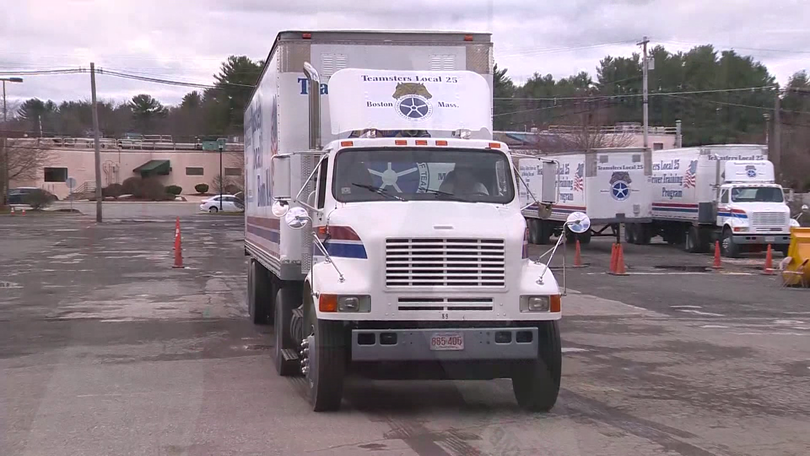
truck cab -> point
(751, 209)
(412, 244)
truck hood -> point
(376, 221)
(760, 207)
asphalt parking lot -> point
(107, 349)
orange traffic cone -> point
(620, 261)
(613, 258)
(13, 211)
(578, 257)
(178, 247)
(717, 264)
(23, 211)
(768, 269)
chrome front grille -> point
(768, 219)
(444, 304)
(445, 263)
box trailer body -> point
(367, 253)
(718, 192)
(276, 118)
(610, 185)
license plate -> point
(447, 341)
(770, 239)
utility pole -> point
(96, 141)
(644, 88)
(776, 154)
(221, 178)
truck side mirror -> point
(549, 191)
(280, 175)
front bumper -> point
(762, 239)
(414, 344)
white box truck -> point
(610, 185)
(719, 192)
(397, 249)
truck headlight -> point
(354, 303)
(534, 303)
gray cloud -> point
(187, 40)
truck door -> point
(722, 208)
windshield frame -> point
(734, 199)
(510, 182)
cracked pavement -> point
(106, 349)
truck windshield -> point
(756, 195)
(422, 174)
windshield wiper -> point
(448, 195)
(379, 191)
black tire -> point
(727, 246)
(213, 209)
(260, 294)
(705, 239)
(692, 242)
(543, 231)
(534, 231)
(536, 383)
(783, 249)
(643, 233)
(630, 233)
(584, 238)
(287, 298)
(326, 363)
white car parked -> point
(230, 203)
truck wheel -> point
(536, 383)
(584, 238)
(630, 233)
(544, 232)
(323, 362)
(783, 249)
(705, 239)
(727, 245)
(643, 233)
(692, 243)
(260, 297)
(286, 299)
(534, 231)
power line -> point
(789, 51)
(634, 95)
(563, 49)
(125, 75)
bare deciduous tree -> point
(25, 158)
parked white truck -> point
(610, 185)
(396, 250)
(720, 192)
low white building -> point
(184, 165)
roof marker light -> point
(421, 142)
(401, 142)
(441, 142)
(346, 143)
(306, 35)
(494, 145)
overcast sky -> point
(188, 39)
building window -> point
(233, 171)
(56, 174)
(194, 171)
(658, 146)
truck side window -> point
(322, 173)
(724, 196)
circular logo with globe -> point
(620, 186)
(413, 101)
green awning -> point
(154, 167)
